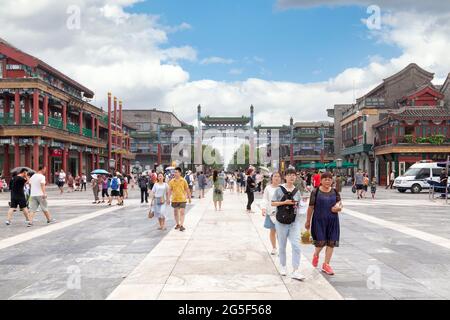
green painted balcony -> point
(87, 132)
(26, 118)
(6, 118)
(55, 123)
(73, 128)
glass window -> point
(423, 174)
(437, 172)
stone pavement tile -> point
(225, 283)
(440, 286)
(253, 296)
(49, 288)
(10, 287)
(169, 248)
(400, 286)
(225, 255)
(152, 270)
(91, 289)
(136, 292)
(220, 267)
(359, 293)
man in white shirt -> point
(38, 196)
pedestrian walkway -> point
(221, 255)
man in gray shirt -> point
(359, 183)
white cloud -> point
(130, 55)
(216, 60)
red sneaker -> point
(315, 261)
(327, 269)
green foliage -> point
(437, 139)
(409, 138)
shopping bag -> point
(306, 237)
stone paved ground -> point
(395, 247)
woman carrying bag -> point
(268, 211)
(323, 220)
(160, 201)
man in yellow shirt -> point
(179, 193)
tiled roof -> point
(423, 113)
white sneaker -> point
(283, 271)
(274, 251)
(297, 275)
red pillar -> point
(64, 160)
(46, 163)
(6, 166)
(120, 125)
(64, 117)
(109, 128)
(80, 162)
(98, 160)
(115, 121)
(7, 104)
(36, 154)
(17, 107)
(27, 104)
(16, 153)
(93, 125)
(36, 106)
(97, 127)
(159, 154)
(80, 122)
(27, 156)
(45, 110)
(93, 164)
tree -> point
(236, 163)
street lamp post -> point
(339, 163)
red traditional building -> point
(418, 130)
(46, 118)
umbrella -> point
(99, 171)
(315, 165)
(170, 168)
(18, 169)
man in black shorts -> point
(18, 196)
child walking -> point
(373, 187)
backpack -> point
(142, 183)
(286, 214)
(115, 183)
(188, 179)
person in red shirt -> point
(316, 179)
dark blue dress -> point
(325, 228)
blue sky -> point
(299, 45)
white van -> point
(415, 178)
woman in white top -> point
(160, 200)
(268, 211)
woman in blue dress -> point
(323, 220)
